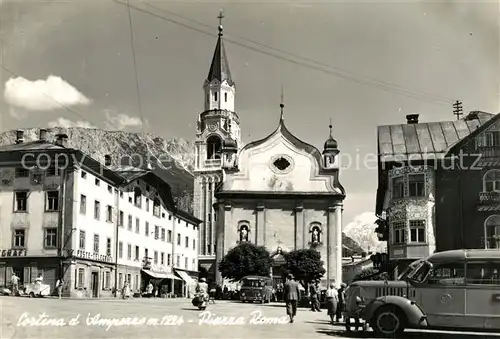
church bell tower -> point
(218, 129)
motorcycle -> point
(200, 300)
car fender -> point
(414, 315)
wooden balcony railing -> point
(489, 198)
(489, 151)
(490, 243)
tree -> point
(369, 273)
(305, 265)
(245, 259)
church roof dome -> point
(330, 144)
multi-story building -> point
(431, 196)
(67, 215)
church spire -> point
(282, 105)
(219, 69)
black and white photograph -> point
(249, 169)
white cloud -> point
(42, 95)
(65, 123)
(362, 230)
(120, 121)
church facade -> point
(278, 192)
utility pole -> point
(457, 109)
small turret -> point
(330, 151)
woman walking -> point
(332, 299)
(341, 303)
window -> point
(156, 208)
(399, 232)
(194, 244)
(146, 229)
(129, 252)
(146, 254)
(84, 175)
(109, 213)
(492, 138)
(136, 256)
(50, 237)
(417, 231)
(178, 261)
(120, 280)
(81, 278)
(416, 185)
(214, 147)
(169, 236)
(130, 199)
(108, 247)
(81, 241)
(397, 187)
(215, 96)
(137, 197)
(107, 280)
(186, 263)
(169, 259)
(130, 223)
(21, 173)
(120, 250)
(97, 210)
(96, 243)
(155, 256)
(485, 273)
(110, 189)
(52, 201)
(225, 97)
(193, 264)
(162, 258)
(178, 239)
(162, 234)
(21, 203)
(137, 287)
(186, 242)
(492, 228)
(447, 274)
(121, 219)
(137, 225)
(97, 182)
(83, 204)
(19, 238)
(491, 181)
(157, 232)
(170, 217)
(147, 205)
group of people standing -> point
(335, 298)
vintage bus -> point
(256, 288)
(457, 289)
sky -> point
(359, 63)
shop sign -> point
(13, 253)
(90, 255)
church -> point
(278, 192)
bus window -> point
(483, 273)
(447, 274)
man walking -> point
(15, 284)
(291, 296)
(313, 291)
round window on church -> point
(281, 164)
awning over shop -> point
(161, 275)
(189, 281)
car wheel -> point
(32, 295)
(389, 322)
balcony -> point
(489, 198)
(490, 243)
(489, 151)
(212, 163)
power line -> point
(335, 70)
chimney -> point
(412, 118)
(107, 160)
(61, 139)
(19, 136)
(43, 134)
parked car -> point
(36, 290)
(5, 291)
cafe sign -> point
(90, 255)
(13, 253)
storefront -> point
(189, 282)
(164, 282)
(27, 268)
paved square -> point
(165, 318)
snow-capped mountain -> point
(362, 230)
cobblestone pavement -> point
(166, 318)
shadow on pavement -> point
(429, 335)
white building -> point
(65, 214)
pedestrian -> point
(291, 295)
(59, 287)
(313, 292)
(332, 301)
(341, 303)
(15, 284)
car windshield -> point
(420, 272)
(409, 269)
(253, 283)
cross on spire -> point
(220, 17)
(330, 126)
(282, 105)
